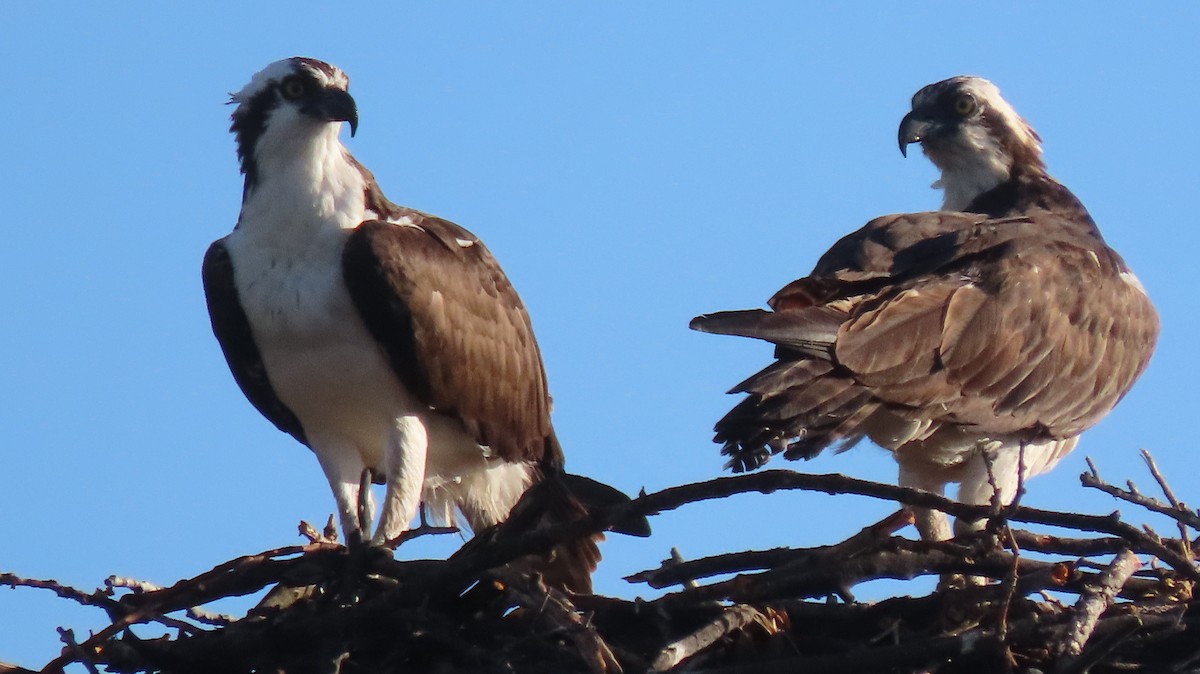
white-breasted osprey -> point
(959, 340)
(383, 338)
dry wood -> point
(1095, 599)
(785, 609)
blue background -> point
(630, 164)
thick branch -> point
(1095, 599)
(468, 564)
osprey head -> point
(972, 135)
(290, 101)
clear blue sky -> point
(630, 164)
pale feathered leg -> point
(991, 474)
(405, 471)
(344, 468)
(931, 524)
(985, 467)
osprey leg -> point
(405, 470)
(931, 524)
(988, 475)
(344, 469)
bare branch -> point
(777, 610)
(80, 655)
(730, 620)
(673, 573)
(1095, 599)
(1175, 503)
(1132, 495)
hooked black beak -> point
(913, 130)
(334, 105)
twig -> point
(896, 558)
(1162, 481)
(1009, 583)
(1094, 600)
(1079, 547)
(730, 620)
(96, 599)
(195, 612)
(1175, 503)
(1184, 515)
(557, 608)
(1098, 649)
(423, 530)
(68, 637)
(327, 535)
(673, 573)
(668, 573)
(676, 560)
(233, 578)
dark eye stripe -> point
(292, 87)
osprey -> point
(387, 340)
(965, 341)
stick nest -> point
(1096, 595)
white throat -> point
(304, 183)
(969, 168)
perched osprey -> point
(959, 340)
(385, 339)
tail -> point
(799, 405)
(557, 499)
(811, 331)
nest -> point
(1099, 595)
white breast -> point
(322, 362)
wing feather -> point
(897, 339)
(233, 332)
(454, 330)
(811, 329)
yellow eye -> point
(965, 105)
(291, 88)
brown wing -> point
(232, 329)
(1031, 326)
(454, 330)
(805, 402)
(1021, 325)
(891, 250)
